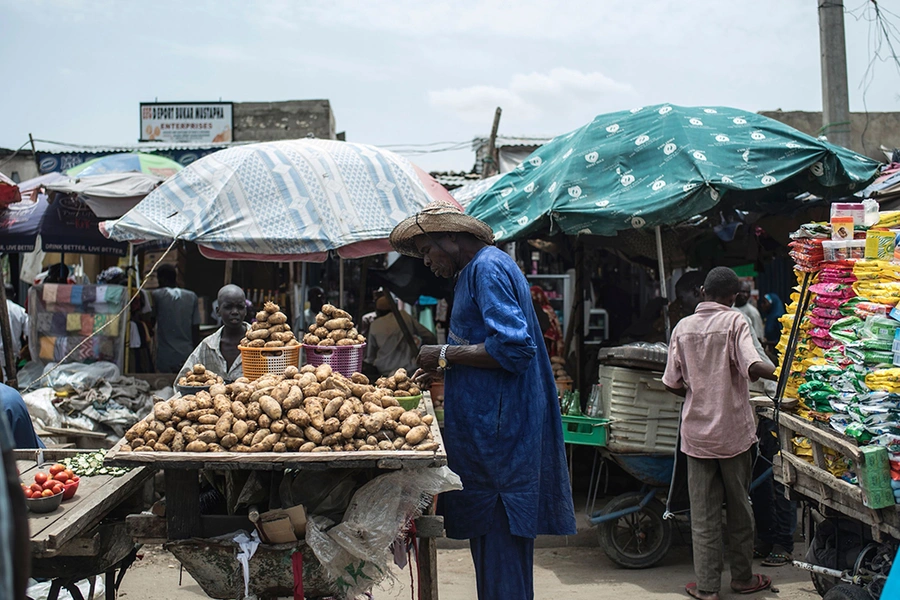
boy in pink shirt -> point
(711, 362)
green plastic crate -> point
(585, 431)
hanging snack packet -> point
(879, 244)
(847, 329)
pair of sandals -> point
(758, 583)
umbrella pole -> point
(663, 288)
(127, 324)
(6, 336)
(341, 282)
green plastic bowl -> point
(409, 402)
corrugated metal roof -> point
(454, 179)
(504, 141)
(63, 147)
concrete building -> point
(868, 131)
(289, 120)
(18, 166)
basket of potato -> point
(402, 387)
(196, 380)
(270, 345)
(312, 409)
(334, 340)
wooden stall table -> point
(212, 564)
(79, 540)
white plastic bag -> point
(356, 552)
(40, 591)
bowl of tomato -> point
(49, 489)
(44, 501)
(70, 487)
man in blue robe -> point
(502, 426)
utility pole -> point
(835, 97)
(491, 161)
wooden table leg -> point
(428, 575)
(182, 503)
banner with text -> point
(186, 122)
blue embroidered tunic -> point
(502, 427)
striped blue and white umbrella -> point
(287, 200)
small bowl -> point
(44, 505)
(184, 390)
(439, 415)
(409, 402)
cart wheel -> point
(638, 540)
(847, 592)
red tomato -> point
(36, 487)
(61, 476)
(75, 479)
(49, 485)
(40, 478)
(57, 489)
(28, 493)
(69, 473)
(57, 468)
(47, 493)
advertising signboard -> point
(186, 122)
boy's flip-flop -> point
(762, 583)
(693, 592)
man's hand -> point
(428, 358)
(424, 379)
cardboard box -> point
(283, 526)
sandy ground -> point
(573, 573)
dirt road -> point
(574, 573)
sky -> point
(419, 75)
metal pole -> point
(835, 97)
(6, 336)
(34, 155)
(341, 283)
(491, 161)
(663, 288)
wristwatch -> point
(443, 363)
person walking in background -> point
(553, 334)
(502, 426)
(772, 308)
(386, 347)
(18, 324)
(177, 315)
(742, 303)
(316, 298)
(711, 361)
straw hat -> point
(437, 217)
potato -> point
(385, 445)
(208, 419)
(221, 404)
(374, 423)
(322, 449)
(312, 390)
(259, 334)
(333, 393)
(299, 417)
(245, 342)
(358, 407)
(270, 406)
(189, 433)
(371, 440)
(239, 410)
(294, 399)
(291, 370)
(293, 430)
(323, 372)
(333, 407)
(239, 428)
(346, 342)
(278, 318)
(223, 426)
(292, 443)
(253, 411)
(136, 431)
(307, 447)
(390, 425)
(308, 377)
(388, 401)
(399, 443)
(367, 448)
(307, 369)
(400, 375)
(278, 426)
(216, 389)
(427, 447)
(209, 437)
(337, 335)
(371, 408)
(262, 315)
(350, 426)
(310, 339)
(196, 446)
(270, 440)
(279, 447)
(202, 428)
(150, 436)
(274, 344)
(256, 344)
(247, 440)
(162, 411)
(402, 430)
(167, 436)
(313, 435)
(228, 441)
(417, 434)
(411, 418)
(143, 449)
(240, 448)
(259, 326)
(428, 419)
(181, 407)
(331, 426)
(345, 410)
(359, 378)
(316, 412)
(331, 440)
(259, 436)
(264, 421)
(157, 447)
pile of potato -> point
(198, 376)
(400, 385)
(333, 327)
(308, 410)
(271, 329)
(559, 368)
